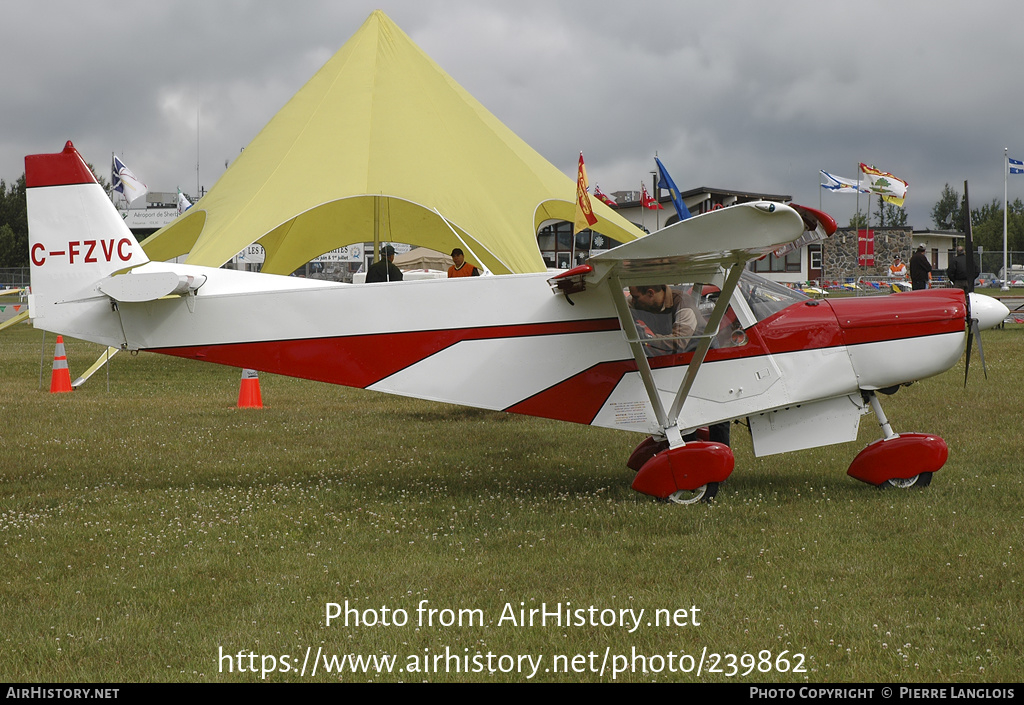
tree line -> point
(986, 220)
(13, 224)
(14, 220)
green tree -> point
(9, 247)
(858, 220)
(14, 217)
(987, 226)
(889, 214)
(947, 214)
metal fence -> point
(13, 277)
(992, 263)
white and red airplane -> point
(800, 371)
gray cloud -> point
(746, 95)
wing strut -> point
(633, 338)
(705, 343)
(669, 421)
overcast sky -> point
(755, 96)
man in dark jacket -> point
(384, 270)
(957, 271)
(920, 269)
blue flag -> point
(1016, 166)
(667, 183)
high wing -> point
(712, 247)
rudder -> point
(76, 236)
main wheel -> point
(922, 480)
(704, 493)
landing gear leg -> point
(898, 460)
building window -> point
(815, 258)
(561, 250)
(772, 264)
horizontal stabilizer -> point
(149, 286)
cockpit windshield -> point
(671, 318)
(766, 297)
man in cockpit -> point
(670, 303)
(675, 318)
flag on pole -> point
(838, 184)
(125, 182)
(602, 198)
(584, 213)
(891, 189)
(183, 203)
(681, 210)
(647, 201)
(1016, 166)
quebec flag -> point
(1016, 166)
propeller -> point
(972, 331)
(983, 312)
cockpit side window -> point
(766, 298)
(671, 318)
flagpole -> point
(867, 230)
(1006, 207)
(657, 199)
(643, 224)
(198, 193)
(859, 174)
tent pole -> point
(459, 238)
(376, 230)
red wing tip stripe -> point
(64, 168)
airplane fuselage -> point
(509, 343)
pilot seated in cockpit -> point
(674, 320)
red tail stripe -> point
(59, 169)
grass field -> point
(153, 532)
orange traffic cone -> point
(61, 379)
(249, 394)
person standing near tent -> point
(384, 270)
(920, 269)
(460, 268)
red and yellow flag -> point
(584, 213)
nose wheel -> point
(898, 460)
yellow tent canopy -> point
(381, 144)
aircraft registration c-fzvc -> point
(573, 347)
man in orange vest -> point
(897, 269)
(460, 268)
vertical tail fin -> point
(76, 236)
